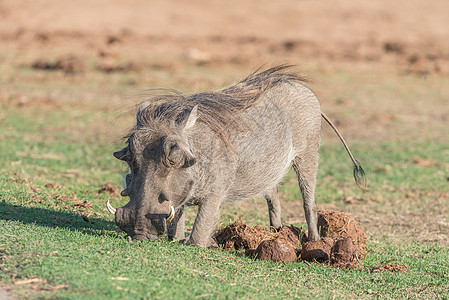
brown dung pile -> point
(342, 244)
(317, 250)
(277, 249)
(338, 225)
(343, 241)
(241, 236)
(261, 243)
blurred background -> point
(410, 35)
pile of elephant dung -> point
(340, 226)
(342, 243)
(280, 245)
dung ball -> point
(277, 249)
(317, 250)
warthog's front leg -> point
(176, 228)
(205, 222)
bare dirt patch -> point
(69, 64)
(5, 295)
(111, 65)
(389, 268)
(237, 33)
(22, 101)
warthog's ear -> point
(174, 156)
(190, 119)
(122, 154)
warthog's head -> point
(159, 157)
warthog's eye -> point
(150, 152)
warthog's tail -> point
(359, 174)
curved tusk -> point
(171, 215)
(110, 208)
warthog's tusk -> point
(171, 215)
(110, 208)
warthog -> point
(208, 148)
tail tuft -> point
(359, 176)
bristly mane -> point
(216, 109)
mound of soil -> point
(295, 235)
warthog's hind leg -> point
(306, 167)
(274, 207)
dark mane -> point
(217, 109)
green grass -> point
(91, 264)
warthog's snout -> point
(142, 237)
(157, 223)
